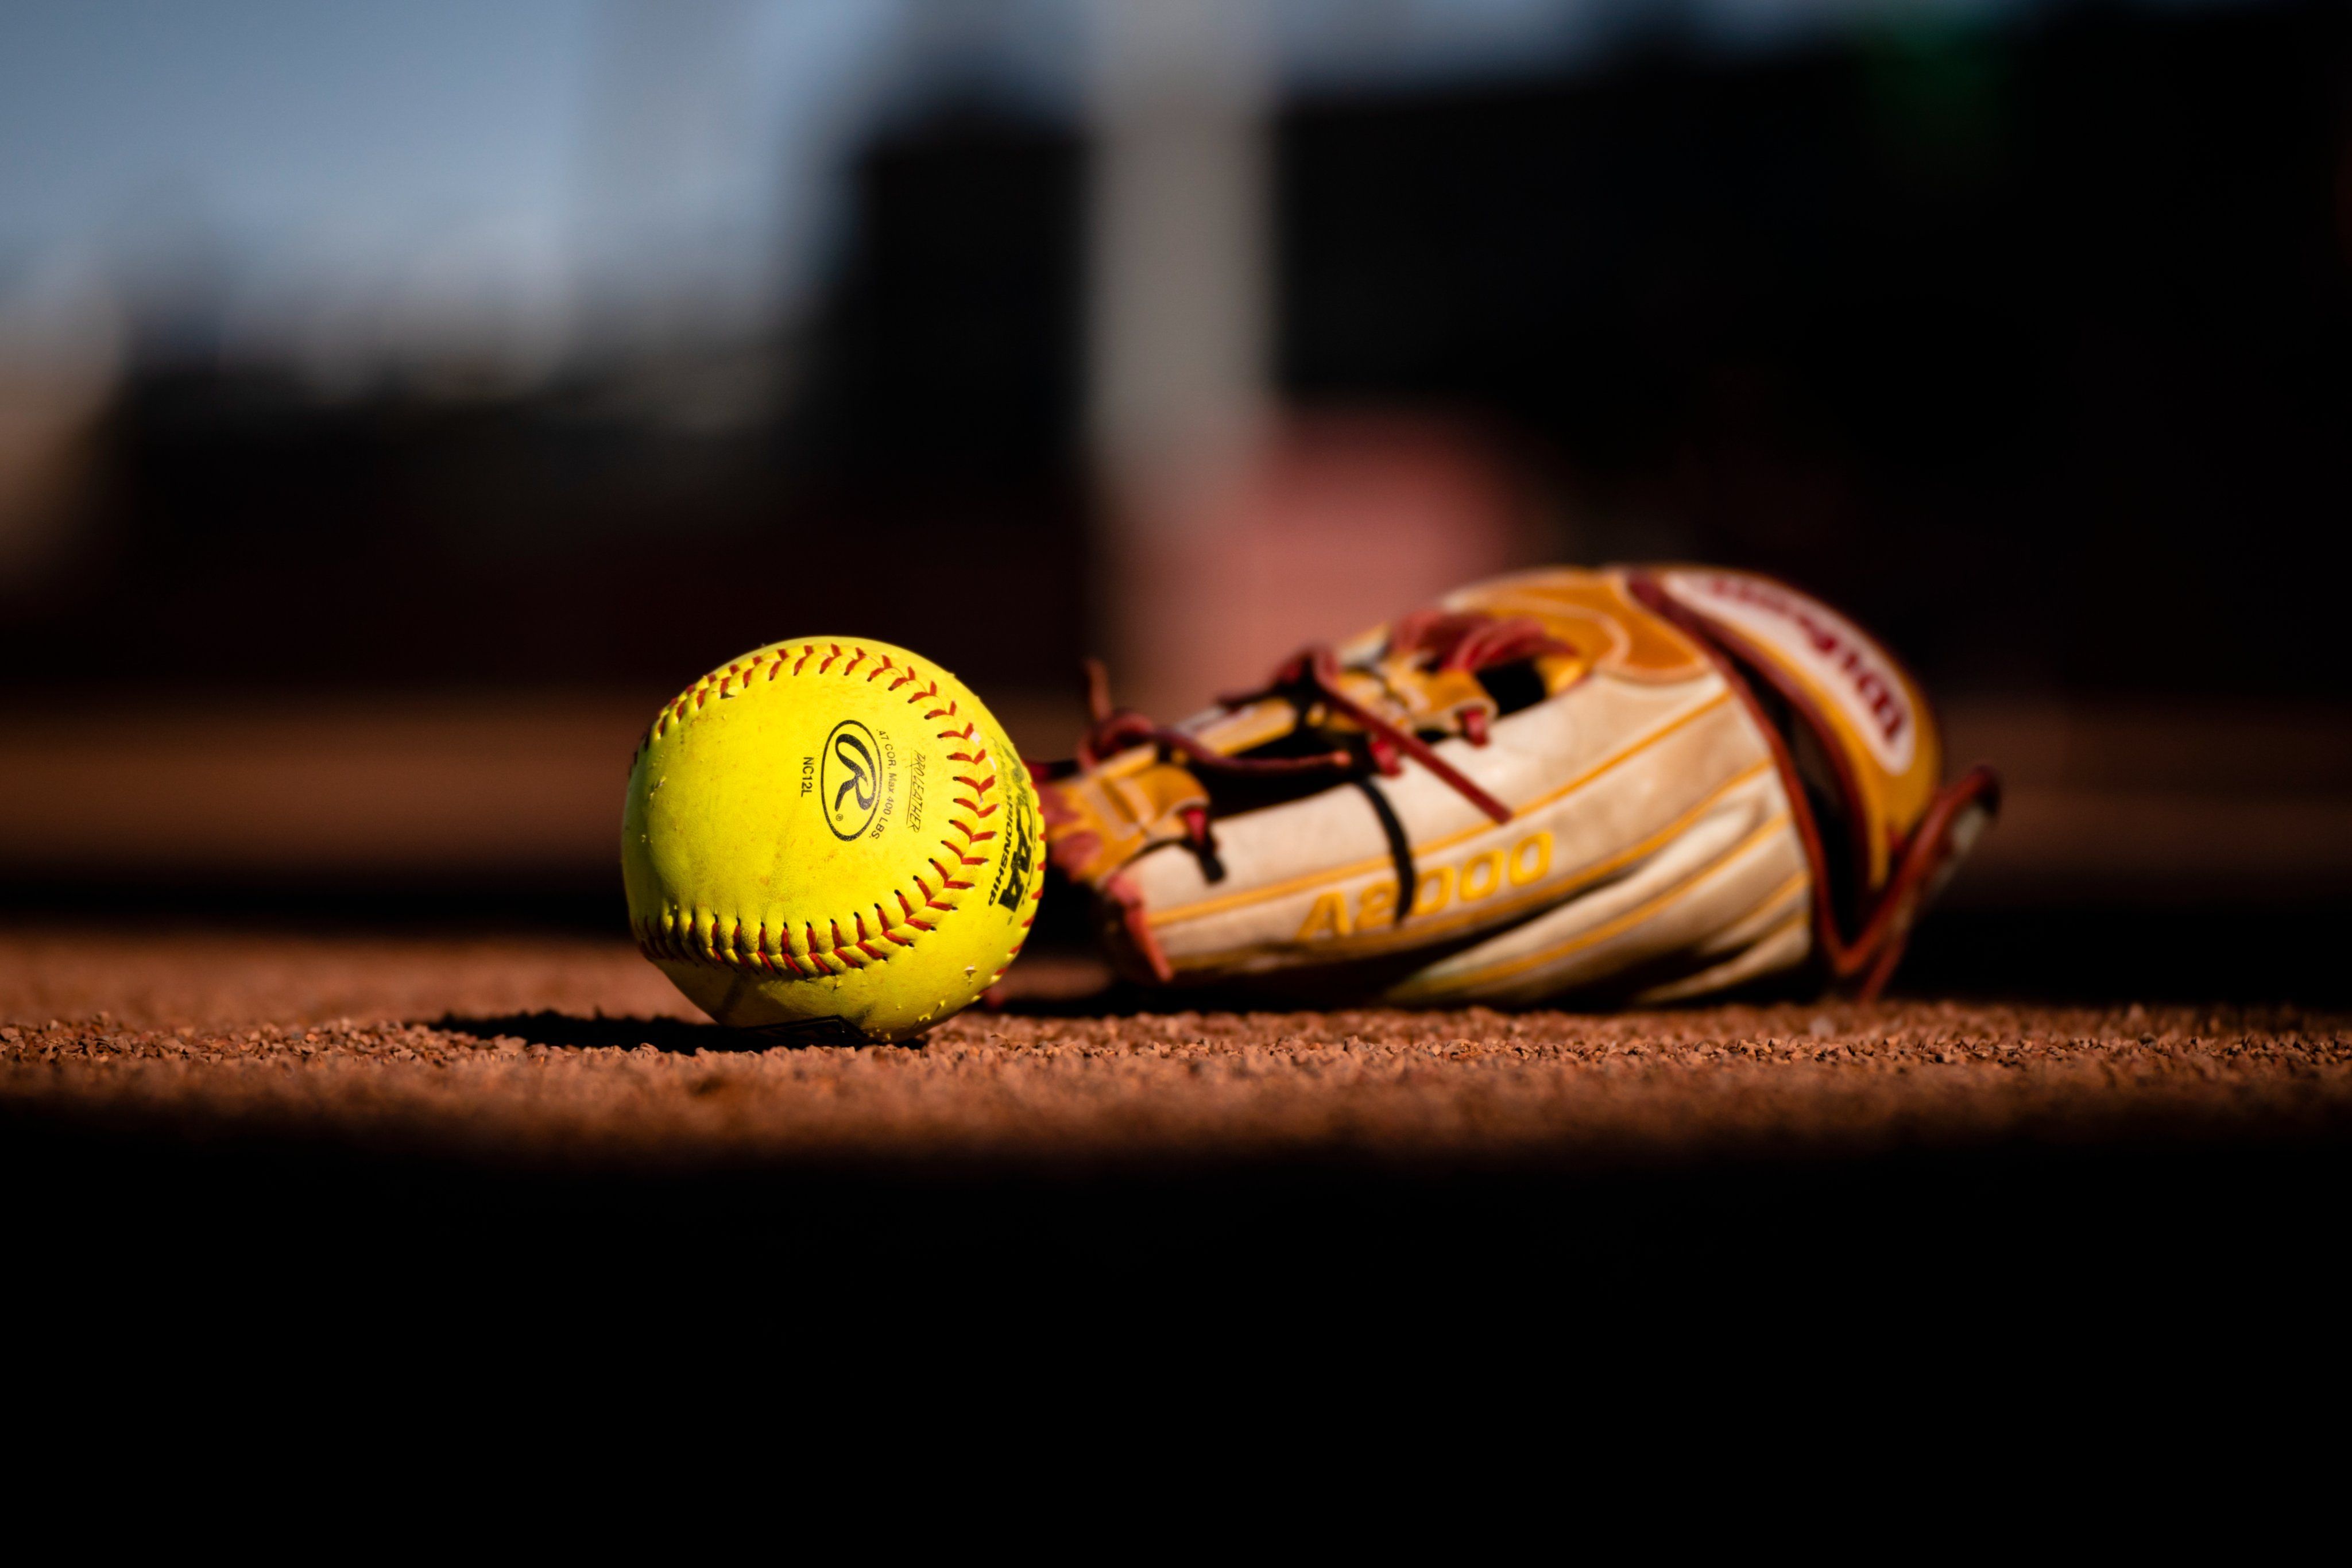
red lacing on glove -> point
(1472, 641)
(1449, 640)
(1114, 730)
(1876, 950)
(1315, 673)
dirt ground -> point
(573, 1053)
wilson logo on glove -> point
(1857, 681)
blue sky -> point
(363, 174)
(372, 164)
(361, 124)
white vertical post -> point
(1179, 315)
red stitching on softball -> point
(865, 944)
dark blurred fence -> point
(2027, 342)
(2030, 345)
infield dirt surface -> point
(571, 1053)
(351, 1126)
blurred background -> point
(398, 400)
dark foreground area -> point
(364, 1118)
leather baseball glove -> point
(1635, 784)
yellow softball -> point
(830, 839)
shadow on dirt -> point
(570, 1031)
(1118, 999)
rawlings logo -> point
(848, 783)
(1816, 643)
